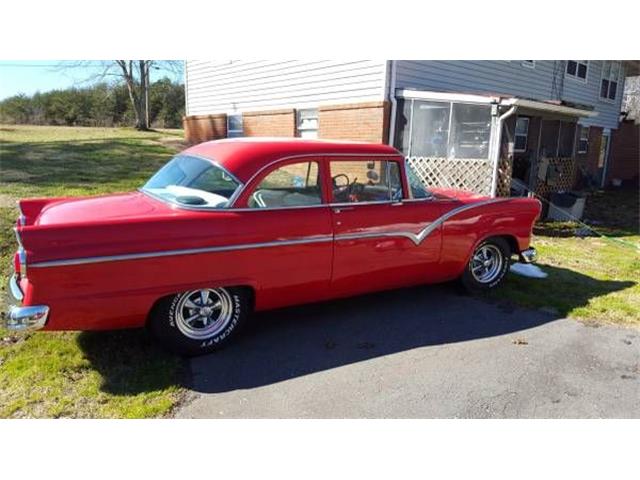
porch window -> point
(521, 134)
(234, 125)
(307, 123)
(609, 81)
(444, 129)
(577, 69)
(583, 139)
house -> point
(494, 127)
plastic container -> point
(566, 206)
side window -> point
(365, 181)
(293, 185)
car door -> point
(285, 211)
(381, 237)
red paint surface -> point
(120, 294)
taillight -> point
(20, 258)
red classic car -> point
(228, 227)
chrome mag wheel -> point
(486, 263)
(201, 314)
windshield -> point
(193, 181)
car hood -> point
(102, 209)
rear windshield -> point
(193, 181)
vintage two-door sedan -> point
(228, 227)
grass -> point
(112, 374)
(123, 374)
(591, 277)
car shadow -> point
(293, 342)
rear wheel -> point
(199, 321)
(487, 266)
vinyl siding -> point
(512, 78)
(243, 86)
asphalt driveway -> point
(424, 352)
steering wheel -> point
(336, 177)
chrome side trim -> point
(187, 251)
(418, 238)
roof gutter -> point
(394, 103)
(548, 107)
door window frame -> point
(364, 158)
(242, 201)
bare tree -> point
(631, 98)
(135, 74)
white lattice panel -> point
(473, 175)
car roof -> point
(243, 157)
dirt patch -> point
(7, 201)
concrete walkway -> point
(423, 352)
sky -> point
(31, 76)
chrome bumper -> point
(19, 317)
(529, 255)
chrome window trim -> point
(416, 238)
(195, 207)
(306, 155)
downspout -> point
(394, 103)
(496, 148)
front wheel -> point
(199, 321)
(488, 265)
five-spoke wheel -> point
(487, 266)
(199, 321)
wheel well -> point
(513, 243)
(248, 289)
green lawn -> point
(114, 374)
(123, 374)
(591, 278)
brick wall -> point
(366, 122)
(200, 128)
(273, 123)
(624, 154)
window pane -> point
(363, 181)
(470, 131)
(234, 122)
(293, 185)
(582, 70)
(604, 88)
(583, 146)
(571, 67)
(192, 181)
(522, 126)
(430, 129)
(520, 144)
(307, 123)
(394, 181)
(613, 88)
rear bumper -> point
(19, 317)
(529, 255)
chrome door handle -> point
(341, 209)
